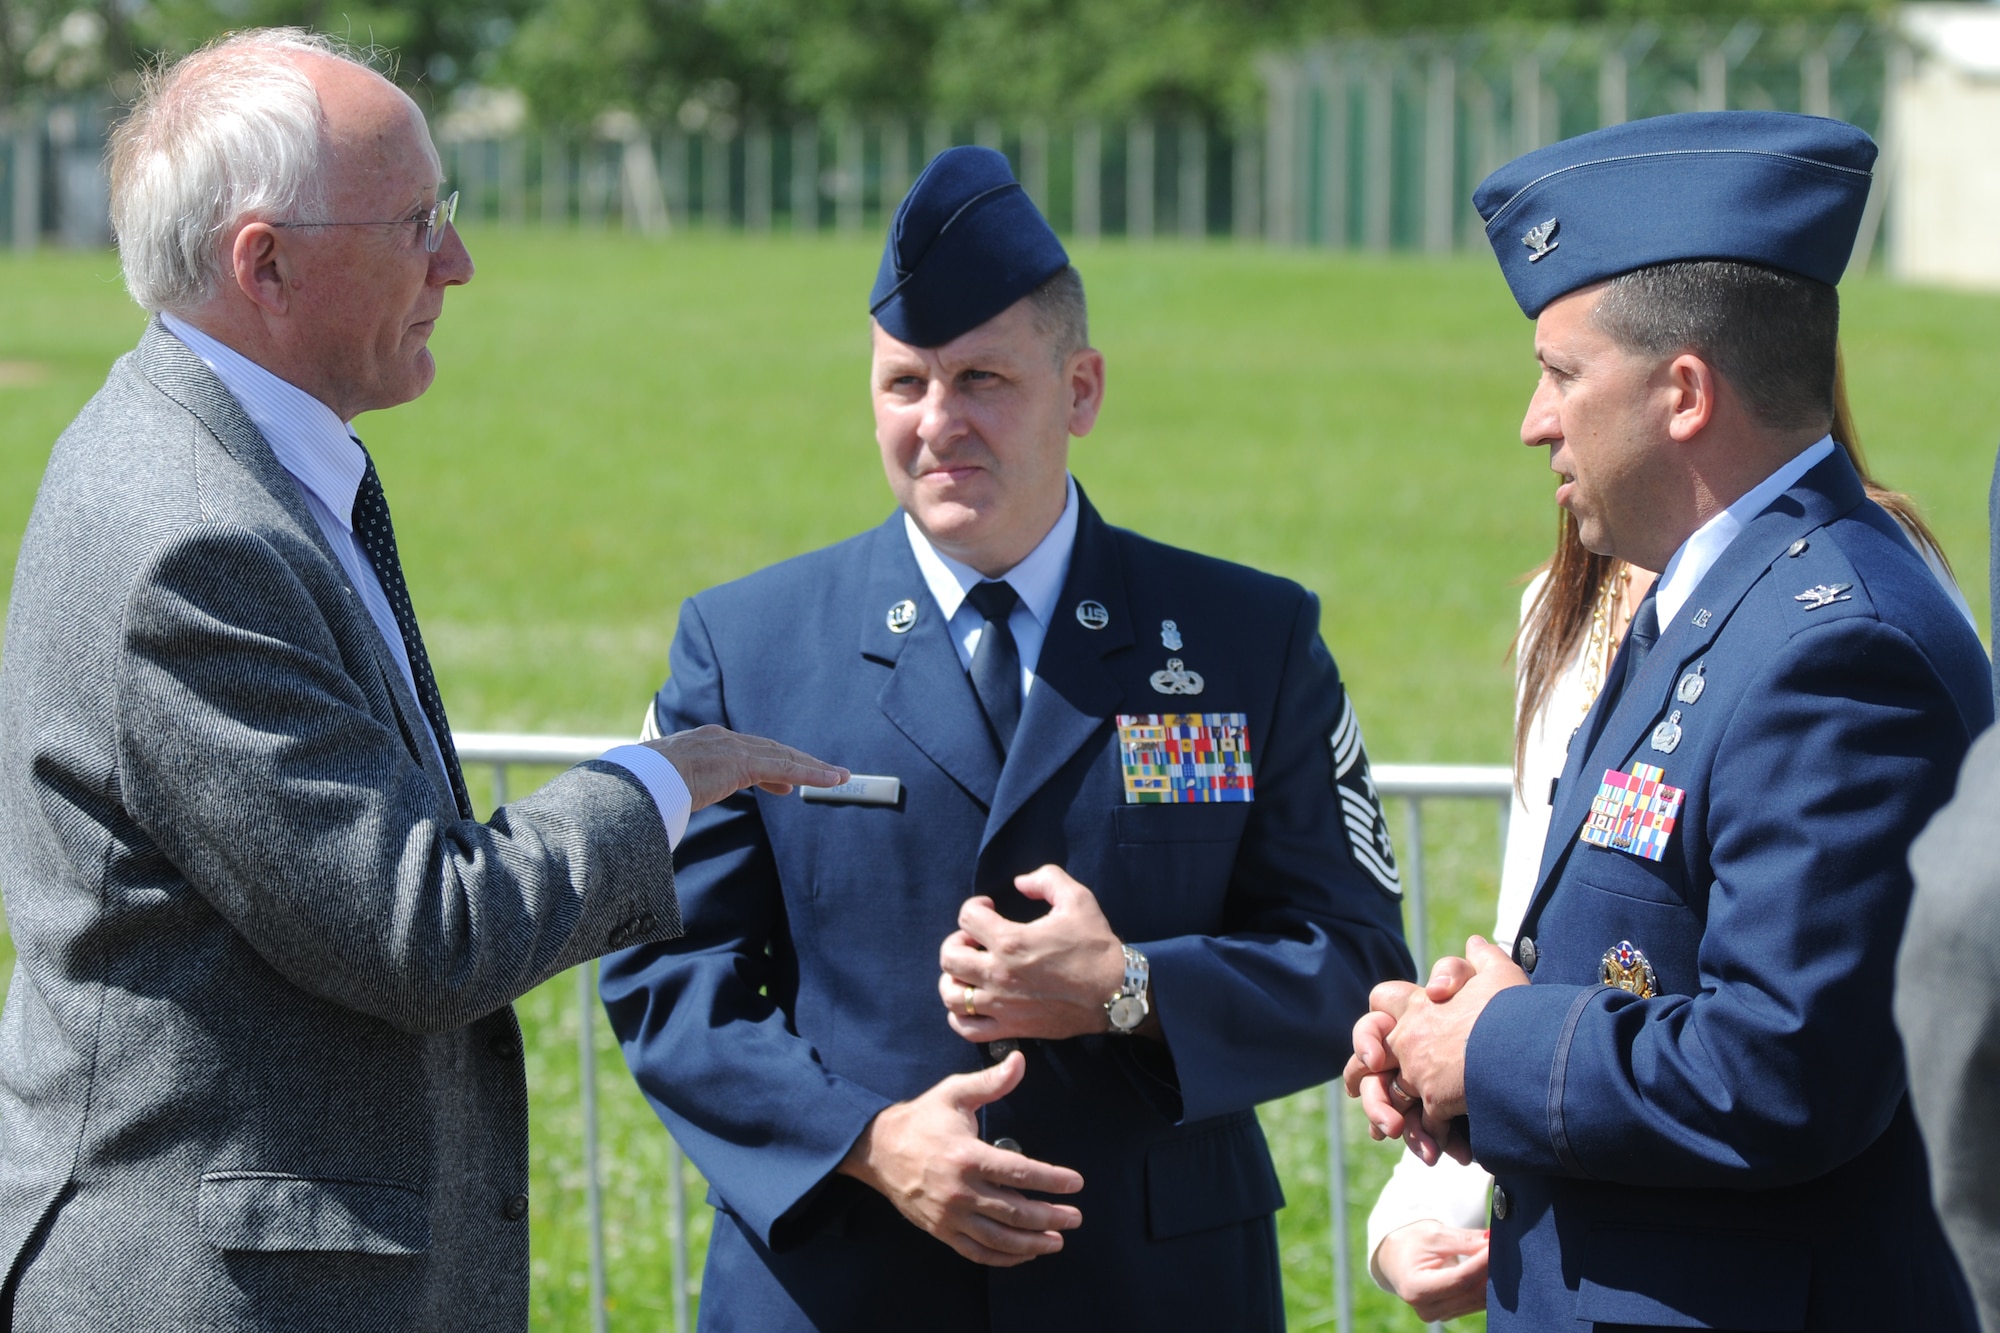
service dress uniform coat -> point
(258, 1069)
(804, 998)
(1737, 1150)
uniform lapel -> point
(1074, 691)
(928, 696)
(168, 363)
(1829, 490)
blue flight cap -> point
(967, 243)
(1759, 187)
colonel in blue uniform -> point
(1686, 1081)
(976, 1043)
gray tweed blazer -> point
(258, 1068)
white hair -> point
(234, 130)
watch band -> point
(1129, 1008)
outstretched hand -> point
(716, 763)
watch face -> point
(1127, 1012)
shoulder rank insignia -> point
(1181, 758)
(1540, 238)
(1633, 812)
(1824, 594)
(1627, 969)
(1361, 804)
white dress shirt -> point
(326, 460)
(1699, 553)
(1037, 581)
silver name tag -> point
(861, 789)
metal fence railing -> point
(1414, 784)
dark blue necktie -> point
(996, 663)
(378, 539)
(1639, 641)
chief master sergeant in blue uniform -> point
(1110, 873)
(1686, 1082)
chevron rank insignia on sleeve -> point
(1360, 805)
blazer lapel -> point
(1828, 491)
(177, 372)
(1074, 693)
(928, 696)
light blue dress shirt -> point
(326, 460)
(1037, 581)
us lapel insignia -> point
(1701, 618)
(1183, 758)
(1667, 736)
(902, 616)
(1633, 812)
(1824, 594)
(1361, 804)
(1627, 969)
(1091, 614)
(1540, 238)
(1177, 679)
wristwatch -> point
(1129, 1007)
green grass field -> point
(618, 424)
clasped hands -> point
(1408, 1067)
(998, 979)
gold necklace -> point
(1597, 645)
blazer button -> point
(504, 1045)
(1007, 1145)
(996, 1051)
(1500, 1204)
(516, 1208)
(1526, 954)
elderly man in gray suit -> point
(258, 1068)
(1948, 998)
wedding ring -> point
(970, 1012)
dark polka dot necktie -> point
(378, 539)
(996, 662)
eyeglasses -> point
(430, 223)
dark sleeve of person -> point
(1313, 920)
(700, 1020)
(1785, 1063)
(248, 754)
(1948, 1008)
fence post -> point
(27, 176)
(1191, 213)
(757, 179)
(1613, 90)
(1379, 163)
(1816, 83)
(1440, 153)
(677, 1203)
(1035, 162)
(1246, 185)
(896, 164)
(586, 1054)
(1140, 152)
(1281, 138)
(1089, 167)
(1329, 74)
(674, 176)
(513, 181)
(1713, 91)
(1527, 104)
(937, 138)
(848, 177)
(1336, 1202)
(1413, 884)
(1482, 148)
(986, 133)
(714, 181)
(805, 178)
